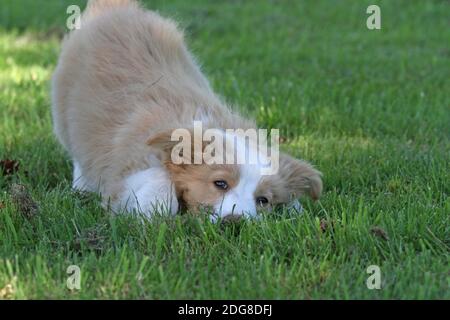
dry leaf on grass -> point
(327, 225)
(323, 225)
(9, 167)
(379, 232)
(23, 200)
(92, 238)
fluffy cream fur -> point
(126, 78)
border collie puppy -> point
(124, 82)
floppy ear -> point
(299, 177)
(175, 147)
(177, 143)
(162, 142)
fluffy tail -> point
(96, 7)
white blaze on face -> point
(240, 200)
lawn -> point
(371, 108)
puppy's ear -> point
(163, 142)
(177, 146)
(172, 146)
(299, 177)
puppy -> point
(124, 82)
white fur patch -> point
(150, 191)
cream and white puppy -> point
(123, 83)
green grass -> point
(370, 108)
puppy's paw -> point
(150, 192)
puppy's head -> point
(239, 189)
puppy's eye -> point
(221, 184)
(262, 201)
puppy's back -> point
(120, 50)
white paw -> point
(150, 192)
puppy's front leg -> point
(150, 192)
(79, 182)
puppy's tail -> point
(97, 7)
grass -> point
(369, 108)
